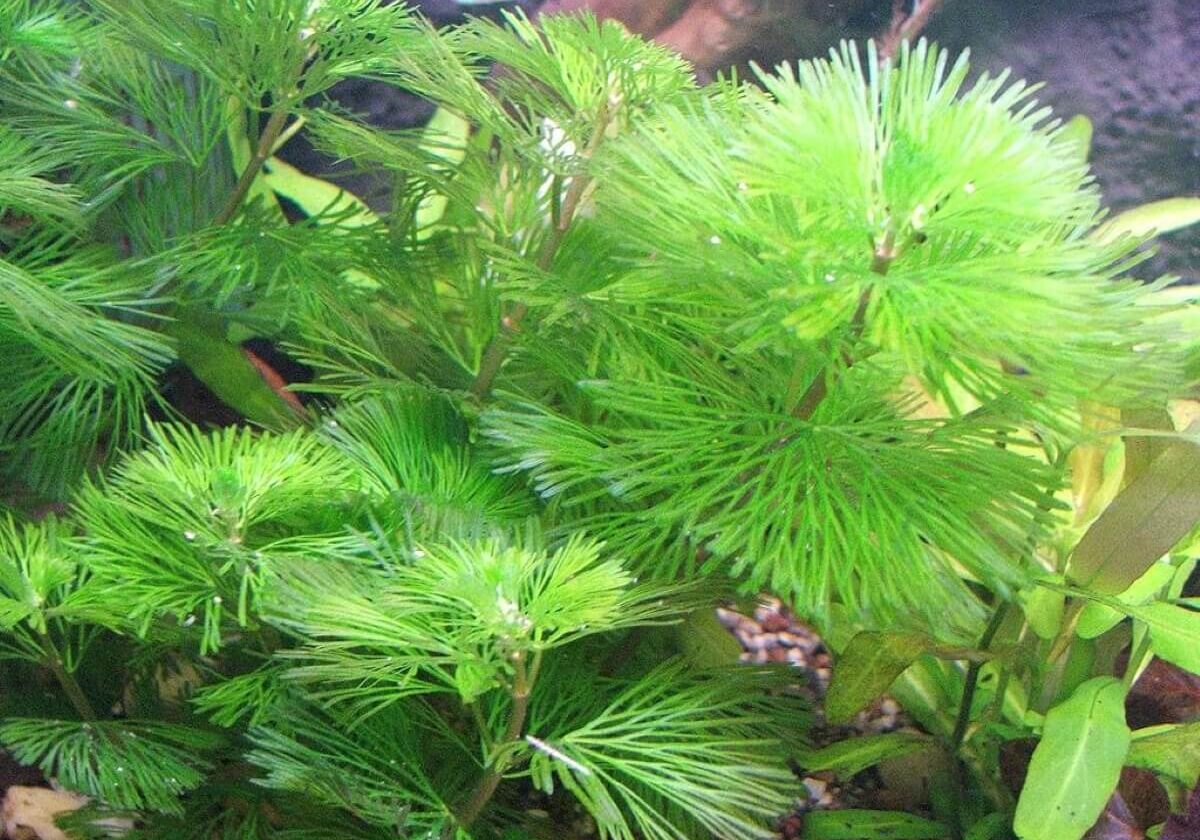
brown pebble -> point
(728, 618)
(816, 787)
(774, 622)
(751, 641)
(748, 625)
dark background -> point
(1131, 66)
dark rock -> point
(13, 773)
(1130, 66)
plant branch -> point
(68, 682)
(262, 152)
(881, 261)
(562, 214)
(972, 680)
(486, 787)
(905, 26)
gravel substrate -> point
(773, 634)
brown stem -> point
(972, 679)
(881, 261)
(905, 27)
(266, 144)
(68, 682)
(482, 794)
(561, 217)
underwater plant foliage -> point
(619, 347)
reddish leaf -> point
(1184, 826)
(1138, 803)
(274, 381)
(1014, 762)
(1144, 796)
(1164, 693)
(1116, 823)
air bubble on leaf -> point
(418, 553)
(189, 535)
(218, 600)
(714, 240)
(830, 277)
(71, 104)
(189, 621)
(743, 186)
(969, 187)
(120, 769)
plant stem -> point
(70, 685)
(562, 214)
(521, 686)
(1066, 633)
(881, 261)
(972, 680)
(266, 145)
(1137, 656)
(905, 27)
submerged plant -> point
(619, 346)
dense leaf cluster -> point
(617, 344)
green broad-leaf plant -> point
(613, 347)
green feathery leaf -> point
(125, 764)
(197, 521)
(676, 754)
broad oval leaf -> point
(316, 196)
(1174, 633)
(1152, 218)
(1096, 618)
(867, 667)
(853, 755)
(1172, 750)
(1142, 449)
(870, 825)
(1076, 765)
(1142, 524)
(704, 642)
(445, 135)
(1044, 608)
(227, 372)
